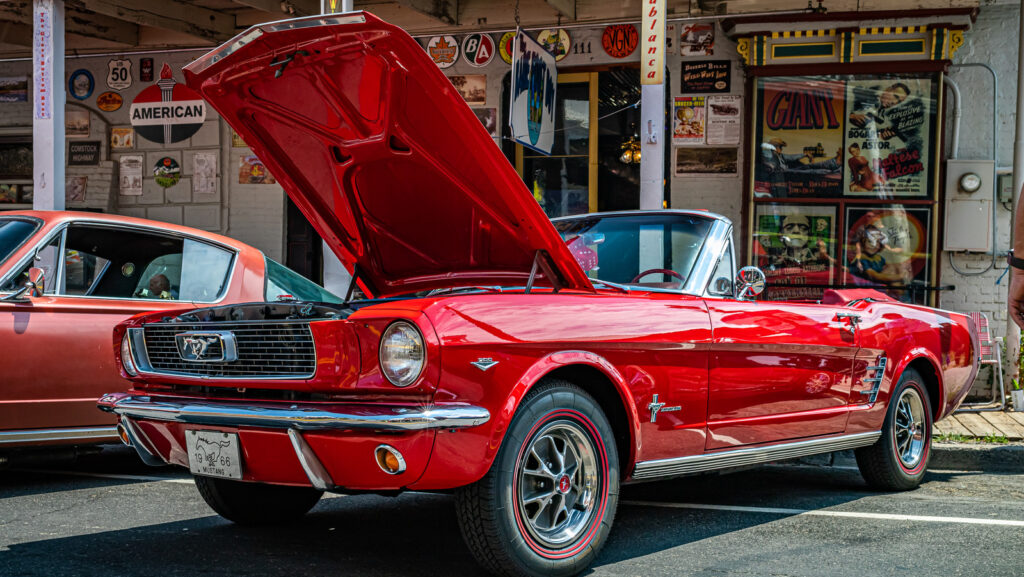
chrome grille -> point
(266, 349)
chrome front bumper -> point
(299, 416)
(292, 417)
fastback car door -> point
(778, 371)
(58, 348)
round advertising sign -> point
(109, 101)
(167, 172)
(81, 84)
(443, 50)
(619, 40)
(557, 42)
(167, 112)
(505, 46)
(478, 49)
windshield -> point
(284, 283)
(652, 251)
(14, 232)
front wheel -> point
(256, 503)
(547, 504)
(899, 459)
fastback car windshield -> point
(282, 282)
(639, 250)
(14, 232)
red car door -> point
(58, 348)
(778, 371)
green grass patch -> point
(955, 438)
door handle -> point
(852, 318)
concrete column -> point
(48, 104)
(652, 146)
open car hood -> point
(382, 155)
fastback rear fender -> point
(464, 456)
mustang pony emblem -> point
(212, 346)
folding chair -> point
(990, 355)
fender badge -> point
(656, 407)
(484, 363)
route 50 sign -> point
(120, 75)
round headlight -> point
(402, 354)
(126, 356)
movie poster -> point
(799, 138)
(697, 39)
(795, 245)
(689, 120)
(888, 245)
(888, 137)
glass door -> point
(565, 182)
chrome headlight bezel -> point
(407, 329)
(127, 359)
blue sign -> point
(534, 78)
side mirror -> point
(36, 281)
(33, 287)
(750, 281)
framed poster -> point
(724, 113)
(251, 170)
(204, 172)
(709, 76)
(75, 188)
(16, 157)
(472, 88)
(122, 138)
(796, 245)
(888, 245)
(14, 89)
(705, 161)
(697, 39)
(489, 118)
(689, 120)
(76, 123)
(130, 175)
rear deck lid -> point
(382, 155)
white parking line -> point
(821, 513)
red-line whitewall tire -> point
(547, 504)
(899, 459)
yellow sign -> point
(652, 33)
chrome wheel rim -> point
(558, 484)
(908, 431)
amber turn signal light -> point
(389, 459)
(122, 433)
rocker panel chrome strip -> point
(750, 456)
(92, 434)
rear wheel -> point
(547, 504)
(256, 503)
(899, 459)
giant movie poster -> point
(795, 246)
(833, 137)
(888, 131)
(888, 246)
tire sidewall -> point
(909, 380)
(553, 404)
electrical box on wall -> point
(1004, 186)
(969, 189)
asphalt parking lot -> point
(110, 515)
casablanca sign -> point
(652, 47)
(167, 112)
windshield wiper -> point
(452, 290)
(614, 285)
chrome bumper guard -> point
(294, 417)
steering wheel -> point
(668, 271)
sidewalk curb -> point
(978, 457)
(987, 457)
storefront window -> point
(844, 184)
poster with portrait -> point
(795, 245)
(75, 188)
(888, 246)
(688, 120)
(798, 138)
(888, 137)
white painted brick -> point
(152, 193)
(171, 214)
(203, 216)
(208, 135)
(180, 192)
(133, 212)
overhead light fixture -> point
(630, 151)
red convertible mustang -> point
(530, 367)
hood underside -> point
(382, 155)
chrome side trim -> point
(314, 469)
(142, 445)
(89, 434)
(750, 456)
(306, 417)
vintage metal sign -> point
(81, 84)
(167, 172)
(84, 153)
(557, 42)
(505, 46)
(619, 40)
(534, 78)
(109, 101)
(443, 50)
(167, 112)
(119, 74)
(478, 49)
(652, 32)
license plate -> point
(213, 454)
